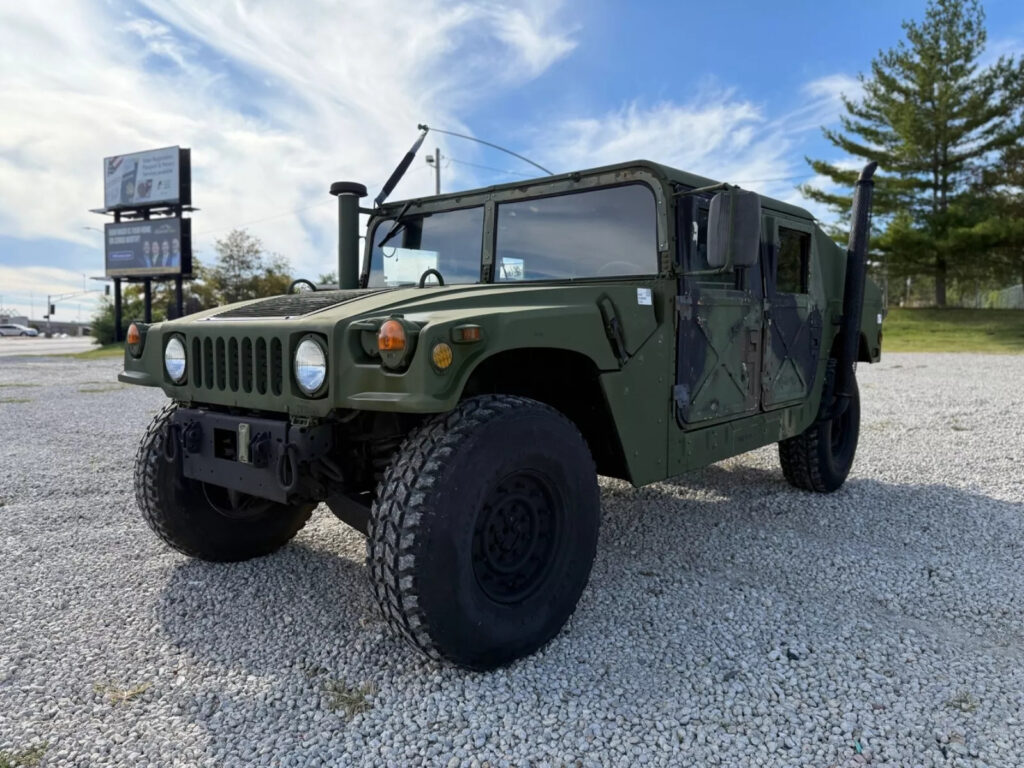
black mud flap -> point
(260, 457)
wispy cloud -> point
(276, 99)
(717, 134)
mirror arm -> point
(721, 270)
(700, 190)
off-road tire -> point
(818, 459)
(451, 506)
(180, 513)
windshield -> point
(448, 242)
(605, 232)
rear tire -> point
(484, 531)
(820, 458)
(200, 520)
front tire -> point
(202, 520)
(484, 531)
(820, 458)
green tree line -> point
(946, 130)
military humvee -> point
(456, 395)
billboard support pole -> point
(177, 295)
(117, 309)
(148, 283)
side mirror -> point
(734, 229)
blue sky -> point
(278, 99)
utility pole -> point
(436, 162)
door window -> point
(793, 261)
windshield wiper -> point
(397, 227)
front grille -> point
(294, 304)
(238, 364)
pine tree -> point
(931, 117)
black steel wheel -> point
(820, 458)
(206, 521)
(484, 531)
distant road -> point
(11, 346)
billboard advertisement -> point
(149, 248)
(143, 179)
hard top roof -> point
(667, 175)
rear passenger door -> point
(793, 322)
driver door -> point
(720, 330)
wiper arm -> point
(396, 227)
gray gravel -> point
(730, 620)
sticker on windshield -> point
(405, 266)
(643, 297)
(512, 269)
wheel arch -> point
(565, 379)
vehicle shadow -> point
(733, 539)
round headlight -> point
(310, 366)
(174, 360)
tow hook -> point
(287, 469)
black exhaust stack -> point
(853, 291)
(348, 194)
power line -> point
(487, 143)
(487, 167)
(781, 178)
(265, 218)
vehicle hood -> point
(328, 307)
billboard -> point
(149, 248)
(143, 179)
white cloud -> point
(529, 32)
(276, 100)
(717, 135)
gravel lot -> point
(730, 620)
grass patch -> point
(121, 695)
(107, 350)
(963, 701)
(18, 386)
(342, 697)
(26, 758)
(15, 399)
(953, 330)
(107, 388)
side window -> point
(605, 232)
(693, 239)
(793, 261)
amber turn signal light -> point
(441, 355)
(391, 336)
(134, 340)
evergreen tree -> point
(932, 117)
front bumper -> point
(269, 458)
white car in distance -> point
(14, 329)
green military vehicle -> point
(488, 354)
